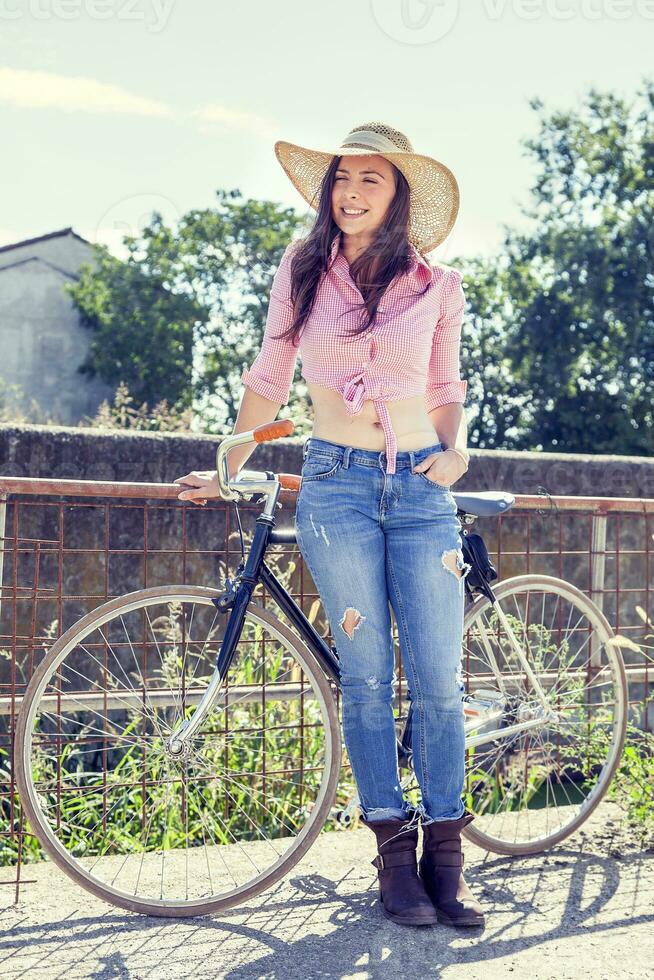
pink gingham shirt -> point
(411, 349)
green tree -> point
(574, 330)
(181, 317)
(142, 326)
(235, 249)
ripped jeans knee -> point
(351, 621)
(454, 562)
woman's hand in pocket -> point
(443, 468)
(203, 484)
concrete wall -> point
(93, 454)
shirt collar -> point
(417, 258)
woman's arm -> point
(446, 391)
(254, 410)
(271, 372)
(444, 383)
(451, 425)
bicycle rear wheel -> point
(530, 789)
(162, 834)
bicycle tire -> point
(28, 792)
(581, 601)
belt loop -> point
(305, 448)
(346, 456)
(412, 460)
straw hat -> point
(434, 190)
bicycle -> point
(178, 749)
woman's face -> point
(362, 183)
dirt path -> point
(585, 909)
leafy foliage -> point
(563, 337)
(182, 316)
(142, 323)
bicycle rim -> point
(531, 789)
(170, 835)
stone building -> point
(42, 342)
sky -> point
(112, 108)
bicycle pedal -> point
(345, 816)
(488, 694)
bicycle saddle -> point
(484, 503)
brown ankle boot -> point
(402, 894)
(441, 869)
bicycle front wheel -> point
(176, 835)
(543, 760)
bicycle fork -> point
(238, 599)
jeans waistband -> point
(366, 457)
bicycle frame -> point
(478, 711)
(238, 599)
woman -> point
(376, 521)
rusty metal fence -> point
(67, 546)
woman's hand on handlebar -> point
(202, 485)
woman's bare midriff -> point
(413, 427)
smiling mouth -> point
(358, 214)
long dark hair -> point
(387, 256)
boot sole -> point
(467, 923)
(409, 922)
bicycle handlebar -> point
(253, 482)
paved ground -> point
(586, 909)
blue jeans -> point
(370, 538)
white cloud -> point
(213, 115)
(26, 89)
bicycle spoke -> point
(191, 830)
(534, 785)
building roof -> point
(42, 238)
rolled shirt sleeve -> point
(444, 383)
(271, 372)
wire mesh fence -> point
(68, 546)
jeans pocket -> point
(316, 467)
(432, 483)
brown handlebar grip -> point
(289, 481)
(274, 430)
